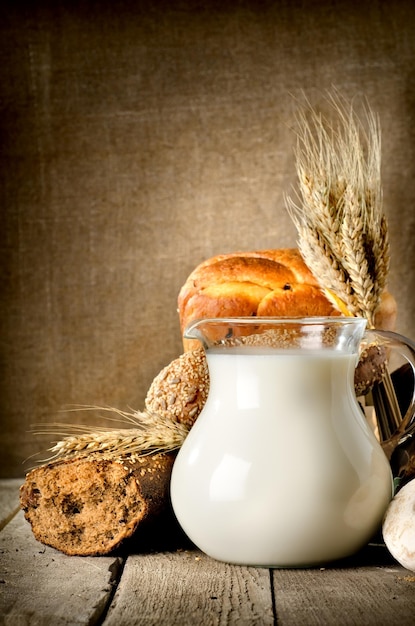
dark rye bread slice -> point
(89, 506)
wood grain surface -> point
(188, 587)
(364, 595)
(42, 587)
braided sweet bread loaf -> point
(274, 283)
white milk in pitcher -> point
(280, 468)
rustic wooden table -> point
(41, 586)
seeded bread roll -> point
(371, 369)
(89, 506)
(274, 283)
(180, 390)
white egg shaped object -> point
(399, 526)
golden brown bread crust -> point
(275, 283)
(88, 506)
(262, 282)
(385, 316)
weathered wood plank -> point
(187, 588)
(42, 586)
(9, 499)
(382, 596)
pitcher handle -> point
(406, 348)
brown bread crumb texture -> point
(89, 506)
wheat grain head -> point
(342, 230)
(149, 433)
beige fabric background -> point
(139, 138)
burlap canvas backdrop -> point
(139, 138)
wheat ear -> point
(150, 433)
(342, 231)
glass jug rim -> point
(339, 332)
(255, 320)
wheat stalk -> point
(342, 231)
(150, 433)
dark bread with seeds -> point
(371, 369)
(90, 505)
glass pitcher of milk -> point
(281, 468)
